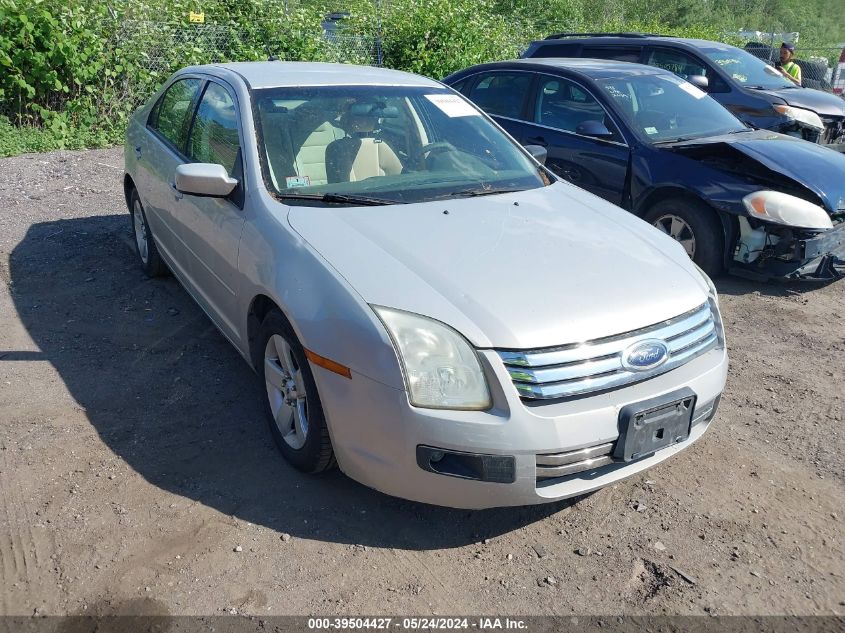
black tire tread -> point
(318, 454)
(155, 266)
(702, 219)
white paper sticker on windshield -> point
(452, 105)
(293, 182)
(698, 93)
(650, 130)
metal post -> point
(379, 57)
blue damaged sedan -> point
(754, 202)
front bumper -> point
(809, 257)
(376, 434)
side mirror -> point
(204, 179)
(699, 81)
(595, 129)
(539, 152)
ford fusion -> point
(428, 306)
(755, 202)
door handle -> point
(176, 193)
(539, 140)
(137, 151)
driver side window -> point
(214, 134)
(685, 66)
(564, 105)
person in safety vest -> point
(787, 66)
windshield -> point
(383, 144)
(747, 70)
(664, 108)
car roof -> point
(280, 74)
(591, 68)
(635, 39)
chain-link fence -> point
(160, 48)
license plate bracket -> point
(652, 425)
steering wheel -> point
(436, 148)
(419, 157)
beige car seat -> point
(360, 155)
(296, 142)
(310, 157)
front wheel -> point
(695, 226)
(293, 404)
(145, 245)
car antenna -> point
(270, 56)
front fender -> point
(326, 313)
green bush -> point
(71, 71)
(438, 37)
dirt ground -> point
(137, 474)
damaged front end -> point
(792, 223)
(771, 251)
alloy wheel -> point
(286, 391)
(140, 231)
(678, 229)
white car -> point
(427, 304)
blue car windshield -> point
(747, 70)
(383, 144)
(664, 108)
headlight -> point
(713, 300)
(441, 370)
(782, 208)
(808, 117)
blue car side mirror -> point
(596, 129)
(699, 81)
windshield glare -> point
(665, 107)
(397, 144)
(748, 70)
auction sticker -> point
(452, 105)
(298, 181)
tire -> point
(145, 245)
(296, 421)
(695, 226)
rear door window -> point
(463, 85)
(557, 50)
(618, 53)
(173, 112)
(502, 94)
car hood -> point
(820, 102)
(545, 267)
(808, 165)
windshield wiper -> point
(679, 139)
(340, 198)
(472, 193)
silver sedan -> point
(428, 306)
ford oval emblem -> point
(645, 355)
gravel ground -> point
(138, 475)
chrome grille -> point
(580, 369)
(553, 466)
